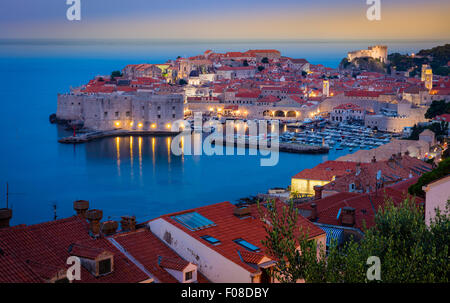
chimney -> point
(5, 216)
(109, 227)
(318, 192)
(347, 217)
(128, 223)
(313, 216)
(242, 211)
(392, 158)
(374, 160)
(94, 216)
(81, 207)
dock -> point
(291, 147)
(90, 136)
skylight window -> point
(211, 240)
(247, 245)
(193, 221)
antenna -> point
(7, 194)
(54, 211)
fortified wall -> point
(376, 52)
(131, 111)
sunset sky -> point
(231, 19)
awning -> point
(333, 234)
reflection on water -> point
(123, 150)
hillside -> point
(367, 64)
(437, 57)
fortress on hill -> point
(375, 52)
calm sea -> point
(136, 176)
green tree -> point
(116, 74)
(437, 108)
(439, 129)
(285, 240)
(441, 171)
(409, 250)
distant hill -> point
(437, 57)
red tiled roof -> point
(251, 257)
(86, 252)
(47, 245)
(348, 106)
(444, 117)
(228, 228)
(14, 270)
(366, 205)
(362, 93)
(326, 171)
(173, 263)
(145, 247)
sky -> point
(226, 19)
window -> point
(173, 116)
(159, 116)
(127, 114)
(104, 267)
(193, 221)
(106, 114)
(247, 245)
(117, 114)
(188, 276)
(211, 240)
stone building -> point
(376, 52)
(131, 111)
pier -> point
(288, 147)
(83, 138)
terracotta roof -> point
(86, 252)
(229, 227)
(326, 171)
(363, 93)
(173, 263)
(366, 205)
(46, 245)
(348, 106)
(251, 257)
(15, 270)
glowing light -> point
(168, 125)
(117, 123)
(219, 109)
(153, 125)
(140, 125)
(131, 123)
(211, 109)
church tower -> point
(429, 78)
(326, 88)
